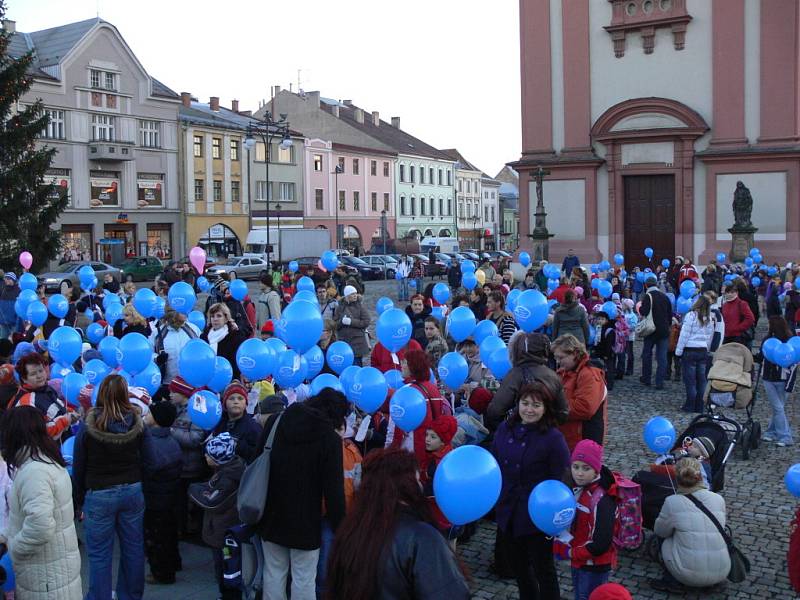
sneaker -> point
(767, 438)
(782, 444)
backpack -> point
(628, 532)
(622, 330)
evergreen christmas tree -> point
(28, 206)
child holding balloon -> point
(777, 381)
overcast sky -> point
(448, 68)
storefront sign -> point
(104, 188)
(149, 189)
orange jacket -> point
(585, 389)
(351, 460)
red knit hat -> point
(268, 327)
(479, 400)
(179, 386)
(234, 387)
(610, 591)
(445, 427)
(590, 452)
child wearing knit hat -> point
(438, 438)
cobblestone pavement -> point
(759, 508)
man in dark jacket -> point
(306, 468)
(454, 275)
(570, 262)
(656, 301)
(8, 314)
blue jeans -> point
(661, 346)
(585, 582)
(778, 424)
(118, 509)
(402, 289)
(694, 378)
(324, 552)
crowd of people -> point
(350, 509)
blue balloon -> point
(95, 332)
(182, 298)
(24, 299)
(205, 409)
(275, 345)
(683, 305)
(89, 284)
(293, 266)
(109, 299)
(461, 323)
(758, 259)
(36, 313)
(511, 299)
(665, 263)
(238, 290)
(256, 359)
(326, 380)
(721, 257)
(393, 329)
(369, 389)
(594, 268)
(64, 345)
(453, 369)
(489, 346)
(441, 292)
(594, 283)
(223, 375)
(108, 349)
(467, 266)
(659, 435)
(58, 306)
(149, 378)
(671, 297)
(196, 362)
(748, 262)
(290, 369)
(316, 361)
(329, 260)
(203, 284)
(794, 342)
(305, 283)
(301, 326)
(383, 304)
(95, 371)
(68, 450)
(552, 284)
(604, 265)
(756, 281)
(483, 330)
(5, 563)
(605, 289)
(640, 276)
(114, 313)
(754, 251)
(198, 319)
(469, 280)
(792, 480)
(610, 309)
(768, 348)
(59, 371)
(86, 273)
(135, 353)
(306, 296)
(347, 378)
(688, 288)
(467, 484)
(407, 408)
(499, 363)
(398, 275)
(126, 376)
(71, 386)
(648, 252)
(551, 507)
(784, 355)
(772, 271)
(394, 378)
(438, 312)
(340, 356)
(623, 274)
(28, 281)
(524, 259)
(412, 283)
(619, 259)
(531, 310)
(144, 301)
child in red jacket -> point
(438, 438)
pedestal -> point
(742, 240)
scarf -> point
(215, 336)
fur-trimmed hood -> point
(119, 432)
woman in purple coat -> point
(530, 449)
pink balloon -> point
(197, 256)
(579, 290)
(321, 267)
(25, 259)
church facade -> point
(647, 113)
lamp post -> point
(383, 237)
(280, 246)
(267, 133)
(336, 171)
(475, 219)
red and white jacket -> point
(592, 546)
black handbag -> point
(740, 565)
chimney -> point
(246, 113)
(376, 118)
(313, 98)
(347, 102)
(277, 90)
(335, 110)
(186, 99)
(359, 115)
(9, 26)
(396, 122)
(213, 103)
(235, 106)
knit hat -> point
(590, 452)
(90, 354)
(234, 387)
(615, 297)
(6, 374)
(704, 445)
(610, 591)
(271, 404)
(138, 396)
(479, 400)
(10, 276)
(627, 303)
(179, 386)
(164, 413)
(349, 289)
(268, 327)
(221, 448)
(445, 427)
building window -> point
(386, 202)
(149, 134)
(450, 206)
(431, 180)
(440, 177)
(159, 240)
(355, 166)
(263, 192)
(373, 167)
(449, 178)
(356, 198)
(413, 205)
(199, 190)
(492, 195)
(198, 145)
(103, 128)
(374, 202)
(385, 169)
(234, 149)
(110, 81)
(318, 163)
(421, 203)
(432, 207)
(460, 185)
(441, 206)
(94, 78)
(216, 147)
(469, 210)
(402, 205)
(261, 152)
(236, 193)
(318, 198)
(104, 188)
(341, 164)
(422, 174)
(285, 155)
(411, 173)
(402, 173)
(217, 190)
(493, 214)
(342, 200)
(485, 213)
(150, 189)
(286, 191)
(55, 127)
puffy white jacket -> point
(693, 551)
(174, 341)
(695, 335)
(41, 533)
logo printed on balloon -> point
(356, 387)
(400, 333)
(563, 518)
(336, 359)
(178, 302)
(444, 372)
(246, 362)
(396, 411)
(521, 312)
(119, 355)
(90, 375)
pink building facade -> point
(356, 197)
(647, 113)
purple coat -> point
(527, 456)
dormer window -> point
(104, 80)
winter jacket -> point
(218, 500)
(162, 463)
(693, 550)
(417, 563)
(454, 275)
(738, 318)
(243, 314)
(268, 307)
(306, 467)
(436, 348)
(570, 262)
(415, 440)
(121, 329)
(506, 325)
(354, 333)
(329, 308)
(246, 431)
(228, 346)
(190, 438)
(351, 463)
(585, 389)
(8, 296)
(558, 293)
(52, 323)
(171, 341)
(572, 319)
(711, 282)
(381, 358)
(479, 310)
(418, 324)
(527, 456)
(593, 527)
(752, 303)
(41, 533)
(695, 335)
(662, 312)
(49, 404)
(604, 348)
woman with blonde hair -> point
(223, 335)
(132, 322)
(107, 480)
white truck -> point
(439, 244)
(287, 244)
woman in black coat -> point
(131, 322)
(223, 335)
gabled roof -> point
(459, 158)
(201, 114)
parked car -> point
(387, 264)
(210, 262)
(68, 272)
(470, 254)
(245, 267)
(439, 267)
(304, 262)
(365, 270)
(142, 268)
(498, 254)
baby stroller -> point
(731, 384)
(657, 486)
